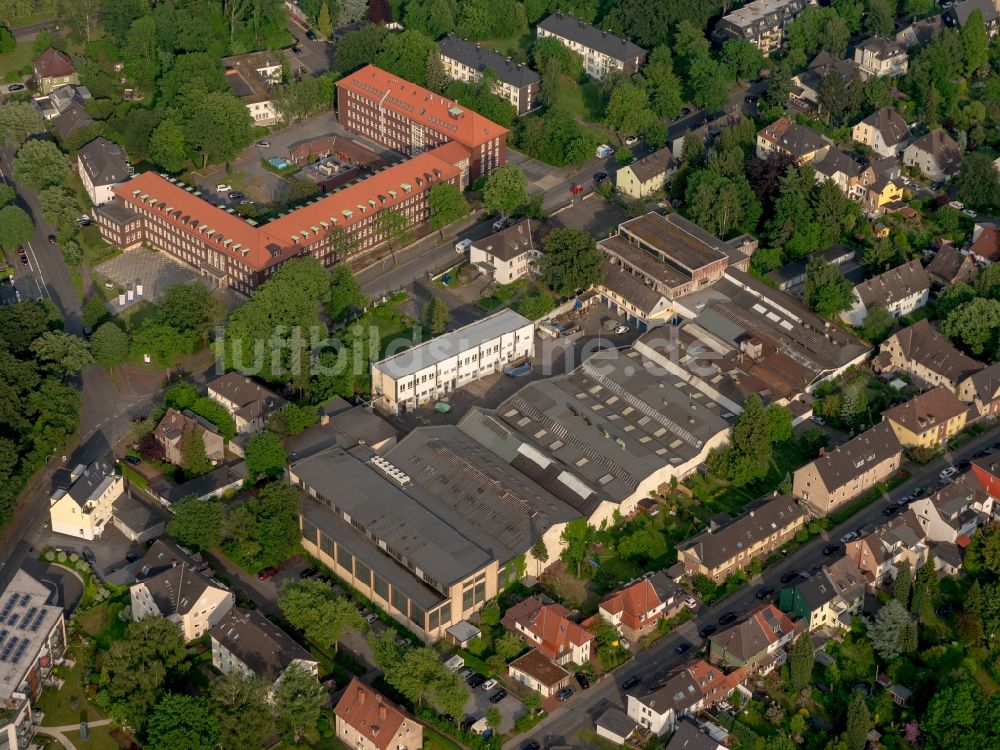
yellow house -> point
(53, 69)
(647, 175)
(82, 505)
(928, 420)
(881, 194)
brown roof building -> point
(927, 355)
(732, 544)
(538, 672)
(53, 69)
(986, 243)
(647, 175)
(636, 609)
(755, 643)
(247, 642)
(982, 390)
(884, 131)
(951, 266)
(848, 471)
(928, 420)
(549, 627)
(366, 720)
(899, 290)
(936, 155)
(788, 137)
(249, 403)
(175, 425)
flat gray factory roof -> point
(451, 344)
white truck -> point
(603, 150)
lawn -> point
(98, 738)
(583, 100)
(435, 741)
(63, 706)
(12, 62)
(509, 46)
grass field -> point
(98, 738)
(22, 55)
(58, 705)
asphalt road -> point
(581, 710)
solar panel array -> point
(11, 645)
(8, 607)
(39, 618)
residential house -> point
(647, 175)
(700, 129)
(793, 275)
(756, 643)
(900, 694)
(175, 425)
(246, 642)
(951, 266)
(957, 15)
(53, 69)
(137, 521)
(683, 691)
(920, 33)
(70, 120)
(879, 554)
(510, 254)
(537, 672)
(884, 131)
(467, 61)
(366, 720)
(174, 585)
(956, 510)
(985, 247)
(225, 477)
(636, 608)
(689, 737)
(83, 501)
(602, 52)
(877, 56)
(550, 629)
(52, 105)
(900, 290)
(788, 137)
(252, 78)
(881, 190)
(848, 471)
(828, 598)
(806, 85)
(729, 545)
(842, 170)
(927, 355)
(428, 371)
(32, 642)
(760, 22)
(936, 155)
(249, 403)
(982, 390)
(103, 166)
(928, 420)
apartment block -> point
(878, 56)
(928, 420)
(510, 254)
(761, 22)
(412, 120)
(602, 52)
(32, 642)
(899, 290)
(103, 166)
(247, 643)
(927, 355)
(428, 371)
(467, 61)
(84, 498)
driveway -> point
(510, 707)
(109, 553)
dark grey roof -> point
(958, 15)
(479, 58)
(882, 48)
(715, 546)
(653, 165)
(630, 287)
(689, 737)
(105, 162)
(987, 382)
(219, 477)
(942, 148)
(136, 515)
(763, 11)
(846, 462)
(591, 37)
(163, 555)
(894, 285)
(794, 138)
(835, 161)
(617, 722)
(512, 241)
(93, 481)
(177, 589)
(117, 211)
(74, 118)
(346, 427)
(257, 642)
(890, 124)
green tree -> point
(7, 194)
(826, 290)
(324, 618)
(393, 228)
(16, 227)
(168, 146)
(18, 121)
(878, 324)
(801, 662)
(217, 126)
(196, 523)
(265, 455)
(359, 47)
(628, 109)
(298, 701)
(493, 718)
(7, 41)
(135, 667)
(66, 353)
(539, 551)
(182, 721)
(194, 462)
(60, 209)
(345, 293)
(190, 307)
(40, 164)
(571, 261)
(750, 443)
(975, 43)
(324, 23)
(241, 709)
(708, 84)
(435, 18)
(858, 722)
(579, 538)
(979, 182)
(491, 19)
(405, 55)
(722, 204)
(974, 324)
(109, 345)
(742, 58)
(505, 191)
(903, 585)
(885, 631)
(293, 419)
(447, 205)
(435, 316)
(508, 646)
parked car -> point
(949, 471)
(957, 205)
(707, 631)
(850, 535)
(475, 681)
(631, 682)
(15, 87)
(600, 177)
(297, 50)
(764, 592)
(489, 685)
(889, 510)
(52, 239)
(532, 745)
(371, 617)
(831, 549)
(565, 694)
(132, 557)
(223, 188)
(622, 328)
(498, 225)
(467, 722)
(818, 420)
(788, 577)
(690, 602)
(631, 140)
(466, 673)
(268, 572)
(582, 680)
(681, 648)
(235, 196)
(311, 35)
(750, 99)
(727, 618)
(970, 213)
(498, 696)
(904, 500)
(264, 144)
(307, 573)
(134, 460)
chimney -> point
(381, 712)
(822, 451)
(361, 696)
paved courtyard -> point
(156, 271)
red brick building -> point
(231, 251)
(410, 119)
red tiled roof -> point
(54, 64)
(635, 602)
(987, 244)
(369, 713)
(989, 481)
(418, 104)
(289, 235)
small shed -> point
(615, 725)
(900, 695)
(461, 633)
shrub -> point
(50, 555)
(61, 556)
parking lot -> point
(511, 709)
(108, 553)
